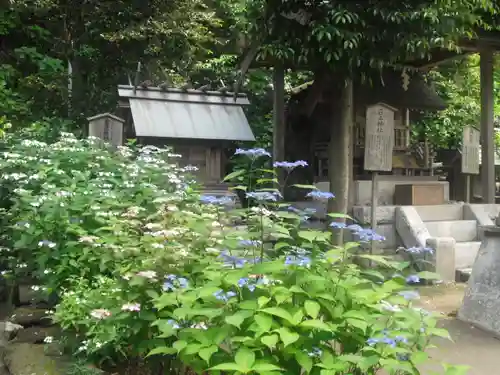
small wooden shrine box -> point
(419, 194)
(107, 127)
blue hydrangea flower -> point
(338, 225)
(174, 324)
(301, 261)
(365, 234)
(253, 153)
(168, 286)
(420, 250)
(221, 201)
(232, 261)
(250, 243)
(246, 282)
(290, 166)
(183, 282)
(314, 353)
(413, 279)
(409, 295)
(320, 195)
(172, 282)
(404, 357)
(354, 227)
(263, 196)
(298, 251)
(392, 342)
(221, 296)
(401, 339)
(389, 341)
(368, 235)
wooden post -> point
(467, 188)
(279, 118)
(338, 153)
(487, 128)
(373, 216)
(379, 145)
(470, 157)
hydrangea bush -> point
(147, 269)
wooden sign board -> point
(470, 150)
(379, 137)
(107, 127)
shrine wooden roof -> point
(389, 88)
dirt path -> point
(470, 347)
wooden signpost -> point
(107, 127)
(470, 156)
(379, 145)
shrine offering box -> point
(419, 194)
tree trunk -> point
(339, 151)
(279, 120)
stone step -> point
(460, 230)
(443, 212)
(465, 253)
(463, 275)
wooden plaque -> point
(379, 137)
(470, 150)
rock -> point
(37, 335)
(54, 349)
(8, 331)
(31, 295)
(30, 359)
(481, 303)
(29, 316)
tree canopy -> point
(362, 34)
(202, 40)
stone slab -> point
(443, 212)
(28, 316)
(481, 303)
(443, 259)
(410, 227)
(484, 214)
(384, 214)
(465, 253)
(461, 230)
(37, 335)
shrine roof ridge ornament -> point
(104, 115)
(187, 95)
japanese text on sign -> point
(379, 138)
(106, 135)
(470, 150)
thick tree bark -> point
(279, 119)
(339, 152)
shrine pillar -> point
(487, 127)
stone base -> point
(481, 304)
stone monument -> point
(481, 303)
